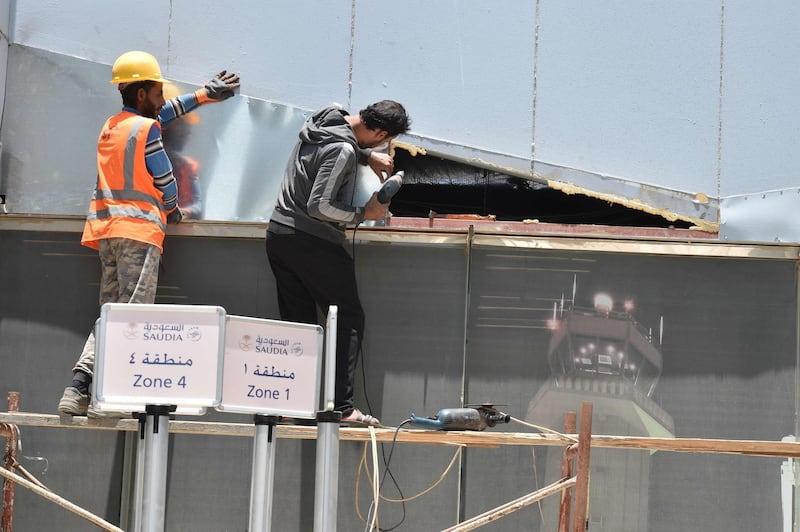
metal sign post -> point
(326, 488)
(157, 359)
(156, 444)
(263, 473)
(271, 369)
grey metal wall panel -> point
(95, 29)
(293, 52)
(49, 144)
(464, 70)
(49, 155)
(760, 105)
(5, 19)
(683, 97)
(761, 217)
(630, 89)
(286, 51)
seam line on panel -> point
(720, 107)
(352, 49)
(535, 83)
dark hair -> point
(130, 90)
(387, 115)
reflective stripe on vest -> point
(128, 192)
(126, 202)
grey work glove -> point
(221, 87)
(175, 216)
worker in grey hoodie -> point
(306, 234)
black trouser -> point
(311, 272)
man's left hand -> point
(221, 87)
(175, 216)
(381, 162)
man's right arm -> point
(221, 87)
(337, 165)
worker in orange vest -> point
(136, 195)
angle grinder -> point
(390, 187)
(462, 418)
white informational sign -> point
(271, 367)
(159, 355)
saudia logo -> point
(163, 332)
(295, 349)
(163, 337)
(244, 343)
(272, 349)
(195, 334)
(131, 331)
(272, 346)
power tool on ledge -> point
(471, 417)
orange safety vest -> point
(126, 202)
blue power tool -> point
(466, 418)
(390, 187)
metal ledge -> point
(417, 231)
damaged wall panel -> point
(648, 106)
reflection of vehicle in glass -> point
(605, 356)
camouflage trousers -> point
(129, 275)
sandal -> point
(357, 418)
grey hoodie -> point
(322, 162)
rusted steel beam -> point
(11, 434)
(570, 424)
(582, 475)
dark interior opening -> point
(447, 187)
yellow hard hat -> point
(136, 66)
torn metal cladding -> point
(636, 203)
(695, 208)
(498, 162)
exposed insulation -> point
(633, 203)
(410, 148)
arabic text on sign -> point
(156, 359)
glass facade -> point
(664, 339)
(662, 345)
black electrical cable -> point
(386, 460)
(387, 471)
